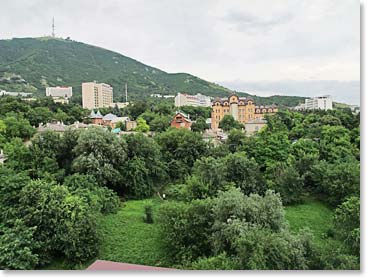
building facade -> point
(242, 110)
(96, 95)
(181, 120)
(254, 125)
(63, 92)
(198, 100)
(324, 102)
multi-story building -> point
(324, 102)
(96, 95)
(60, 94)
(183, 99)
(65, 92)
(242, 109)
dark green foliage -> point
(39, 115)
(196, 112)
(18, 127)
(287, 181)
(144, 169)
(180, 148)
(244, 172)
(337, 181)
(99, 198)
(64, 222)
(11, 184)
(218, 262)
(347, 225)
(236, 140)
(18, 155)
(228, 123)
(199, 125)
(102, 155)
(185, 229)
(17, 247)
(148, 214)
(259, 249)
(160, 123)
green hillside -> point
(31, 64)
(45, 62)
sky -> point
(223, 41)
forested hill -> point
(31, 64)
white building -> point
(324, 102)
(96, 95)
(183, 99)
(65, 92)
(13, 93)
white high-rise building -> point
(324, 102)
(96, 95)
(183, 99)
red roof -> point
(107, 265)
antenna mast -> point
(126, 91)
(53, 27)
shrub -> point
(218, 262)
(185, 229)
(148, 214)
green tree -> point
(18, 127)
(160, 123)
(39, 115)
(145, 171)
(185, 229)
(347, 223)
(285, 180)
(244, 172)
(180, 148)
(102, 155)
(228, 123)
(18, 247)
(199, 125)
(141, 125)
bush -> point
(17, 247)
(148, 214)
(185, 229)
(219, 262)
(347, 224)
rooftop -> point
(107, 265)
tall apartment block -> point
(96, 95)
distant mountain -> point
(341, 91)
(32, 64)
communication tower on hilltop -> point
(53, 27)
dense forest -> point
(32, 64)
(224, 205)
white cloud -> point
(213, 39)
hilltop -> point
(31, 64)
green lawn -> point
(127, 238)
(313, 215)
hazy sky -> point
(218, 40)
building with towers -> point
(243, 109)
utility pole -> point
(53, 27)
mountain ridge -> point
(32, 64)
